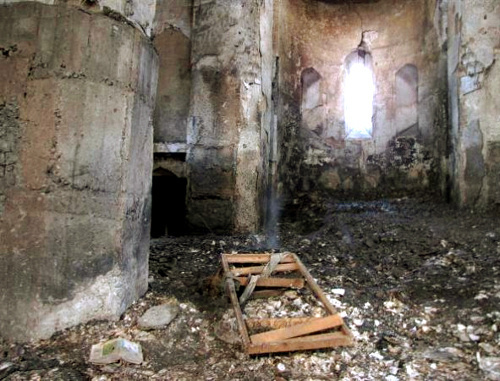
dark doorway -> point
(168, 216)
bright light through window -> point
(358, 101)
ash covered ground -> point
(420, 291)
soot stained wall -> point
(474, 79)
(407, 150)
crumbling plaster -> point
(78, 81)
(474, 78)
(402, 154)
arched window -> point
(359, 89)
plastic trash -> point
(115, 350)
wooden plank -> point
(275, 323)
(288, 334)
(314, 286)
(275, 282)
(329, 340)
(255, 258)
(249, 289)
(266, 273)
(231, 290)
(318, 292)
(318, 324)
(261, 294)
(259, 269)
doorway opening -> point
(168, 216)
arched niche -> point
(406, 88)
(311, 103)
(311, 89)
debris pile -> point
(418, 284)
(278, 272)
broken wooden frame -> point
(284, 334)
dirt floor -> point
(417, 282)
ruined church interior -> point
(350, 148)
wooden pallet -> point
(280, 334)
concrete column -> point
(230, 114)
(77, 92)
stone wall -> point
(474, 79)
(406, 152)
(230, 108)
(172, 40)
(77, 91)
(141, 13)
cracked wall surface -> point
(77, 92)
(474, 79)
(10, 132)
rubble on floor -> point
(417, 282)
(158, 317)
